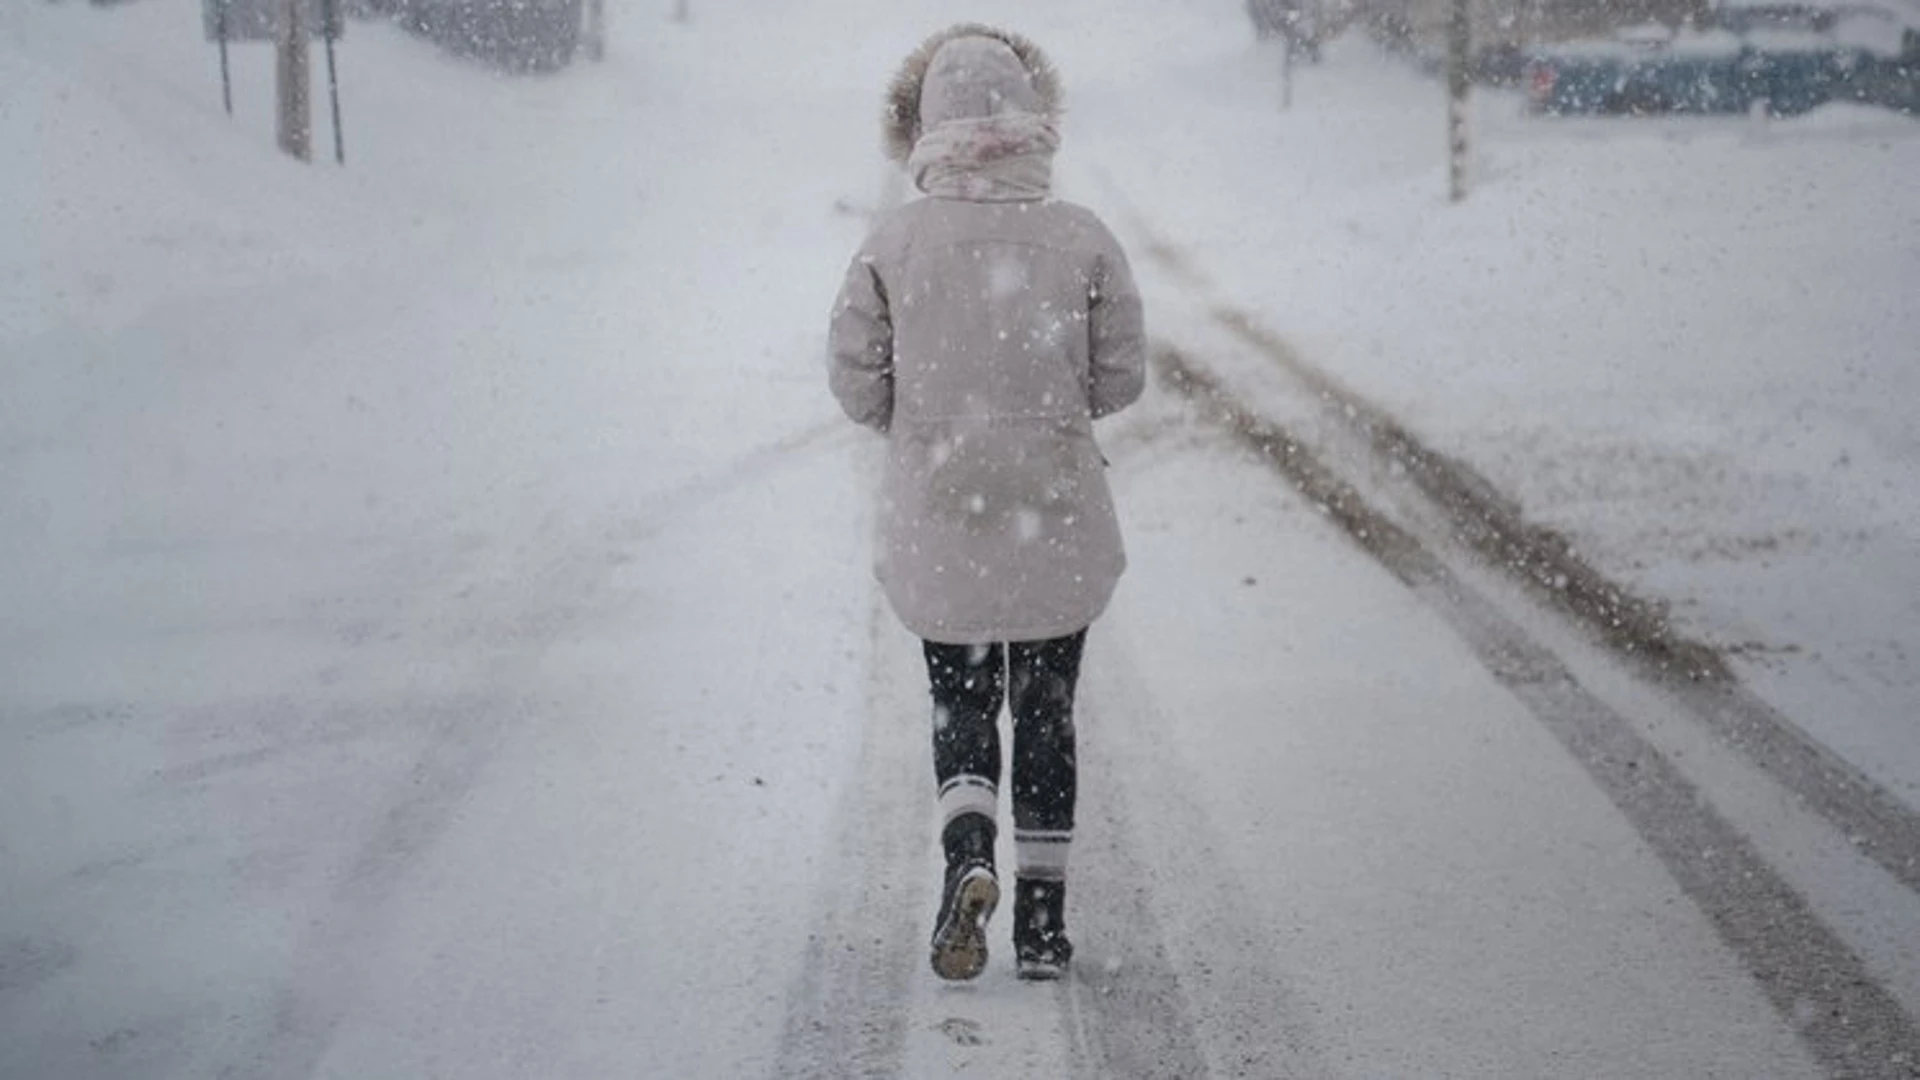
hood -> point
(967, 72)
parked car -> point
(1785, 58)
(1893, 84)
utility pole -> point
(226, 71)
(1459, 83)
(1286, 61)
(293, 85)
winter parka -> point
(983, 328)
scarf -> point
(1004, 158)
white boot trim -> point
(1042, 854)
(967, 795)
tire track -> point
(1127, 1010)
(847, 1016)
(462, 738)
(1126, 1016)
(1820, 988)
(1542, 559)
(1544, 562)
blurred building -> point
(517, 35)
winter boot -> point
(970, 894)
(1040, 944)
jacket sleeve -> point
(1117, 335)
(861, 342)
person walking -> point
(982, 329)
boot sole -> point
(1042, 970)
(960, 942)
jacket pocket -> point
(1002, 469)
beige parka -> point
(982, 329)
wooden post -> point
(294, 85)
(1459, 83)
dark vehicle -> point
(517, 35)
(1785, 59)
(1893, 84)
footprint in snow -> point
(962, 1031)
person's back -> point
(983, 328)
(1007, 286)
(994, 475)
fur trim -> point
(901, 121)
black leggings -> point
(969, 684)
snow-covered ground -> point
(1688, 343)
(436, 636)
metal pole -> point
(329, 19)
(1286, 65)
(1459, 44)
(226, 73)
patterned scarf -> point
(1005, 158)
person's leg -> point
(968, 686)
(1043, 676)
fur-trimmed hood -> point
(1035, 89)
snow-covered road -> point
(436, 634)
